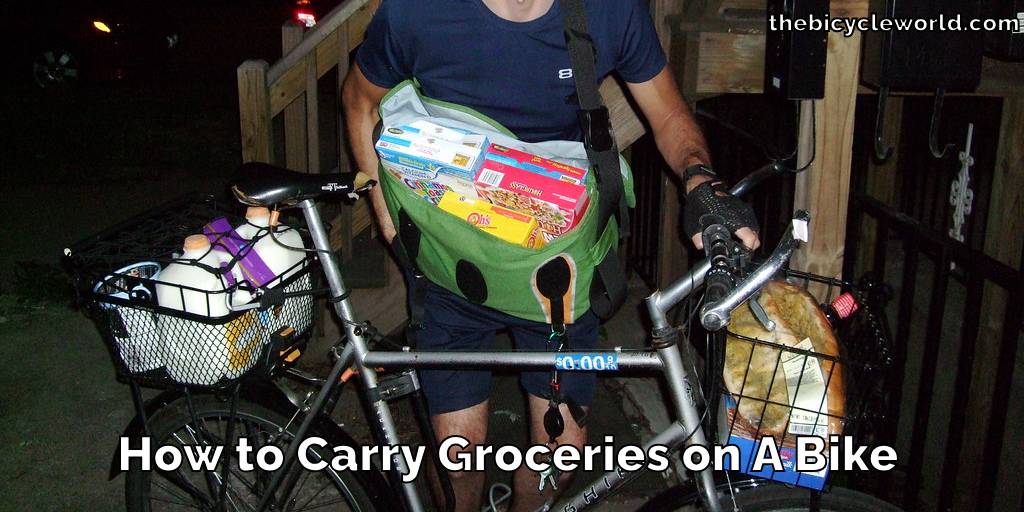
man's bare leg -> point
(525, 497)
(470, 423)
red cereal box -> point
(535, 164)
(557, 205)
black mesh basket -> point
(163, 334)
(783, 385)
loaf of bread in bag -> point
(753, 373)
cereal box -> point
(503, 223)
(556, 204)
(424, 151)
(536, 164)
(432, 190)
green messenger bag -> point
(573, 273)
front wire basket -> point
(781, 391)
(209, 338)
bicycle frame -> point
(664, 357)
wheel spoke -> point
(48, 55)
(64, 58)
(184, 488)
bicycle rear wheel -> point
(185, 489)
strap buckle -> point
(596, 126)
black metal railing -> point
(920, 248)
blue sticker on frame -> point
(587, 362)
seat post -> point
(385, 422)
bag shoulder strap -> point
(594, 118)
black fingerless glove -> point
(705, 199)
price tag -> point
(595, 362)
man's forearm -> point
(361, 117)
(676, 132)
(682, 144)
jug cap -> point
(256, 211)
(193, 242)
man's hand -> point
(681, 142)
(708, 196)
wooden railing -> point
(290, 88)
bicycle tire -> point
(769, 497)
(778, 498)
(144, 493)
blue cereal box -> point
(422, 150)
(748, 445)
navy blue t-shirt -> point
(519, 74)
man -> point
(508, 59)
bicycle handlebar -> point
(752, 180)
(716, 311)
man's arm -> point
(677, 135)
(361, 99)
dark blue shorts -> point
(453, 323)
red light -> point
(845, 305)
(305, 17)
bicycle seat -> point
(262, 184)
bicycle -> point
(258, 408)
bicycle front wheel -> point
(761, 496)
(777, 498)
(185, 489)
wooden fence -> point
(290, 88)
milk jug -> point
(283, 257)
(198, 352)
(280, 255)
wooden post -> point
(1004, 238)
(671, 255)
(312, 127)
(344, 221)
(254, 112)
(823, 189)
(295, 113)
(343, 66)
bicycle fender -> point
(272, 397)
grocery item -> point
(134, 329)
(249, 262)
(432, 190)
(200, 352)
(511, 226)
(762, 379)
(284, 254)
(424, 151)
(557, 205)
(535, 164)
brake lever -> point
(716, 313)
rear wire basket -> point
(782, 391)
(204, 344)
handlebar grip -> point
(719, 280)
(717, 284)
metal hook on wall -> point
(882, 152)
(933, 129)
